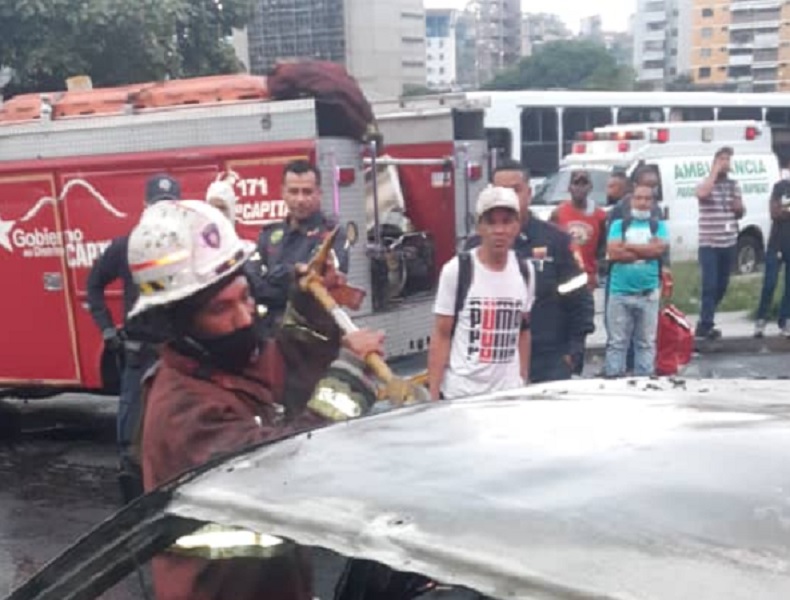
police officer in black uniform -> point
(563, 312)
(136, 356)
(295, 239)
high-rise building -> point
(662, 40)
(497, 34)
(466, 51)
(381, 42)
(441, 48)
(241, 46)
(742, 44)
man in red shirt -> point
(586, 224)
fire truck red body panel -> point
(63, 202)
(430, 195)
(49, 247)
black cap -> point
(162, 187)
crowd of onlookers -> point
(485, 339)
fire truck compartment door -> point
(36, 319)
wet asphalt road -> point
(58, 474)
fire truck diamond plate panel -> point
(177, 128)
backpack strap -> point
(464, 283)
(523, 266)
(653, 231)
(627, 220)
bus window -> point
(539, 140)
(500, 141)
(575, 120)
(738, 113)
(693, 113)
(539, 125)
(779, 118)
(639, 114)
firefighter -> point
(563, 310)
(294, 240)
(222, 195)
(135, 356)
(218, 389)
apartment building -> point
(497, 35)
(662, 31)
(381, 42)
(441, 48)
(743, 44)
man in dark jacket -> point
(135, 356)
(282, 245)
(778, 252)
(218, 388)
(563, 311)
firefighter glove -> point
(345, 391)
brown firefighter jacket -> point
(192, 416)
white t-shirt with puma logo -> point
(484, 354)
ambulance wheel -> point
(750, 253)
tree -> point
(202, 26)
(116, 41)
(566, 64)
(681, 83)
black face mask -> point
(231, 352)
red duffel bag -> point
(675, 341)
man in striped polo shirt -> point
(720, 208)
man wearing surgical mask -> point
(643, 176)
(634, 246)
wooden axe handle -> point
(312, 283)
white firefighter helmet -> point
(179, 248)
(222, 195)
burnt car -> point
(629, 489)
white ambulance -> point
(682, 155)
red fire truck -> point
(73, 167)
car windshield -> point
(555, 189)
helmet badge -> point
(211, 235)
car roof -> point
(643, 489)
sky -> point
(614, 13)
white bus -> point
(538, 128)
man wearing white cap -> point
(481, 339)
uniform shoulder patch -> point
(276, 237)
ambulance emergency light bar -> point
(655, 135)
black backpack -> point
(465, 274)
(628, 219)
